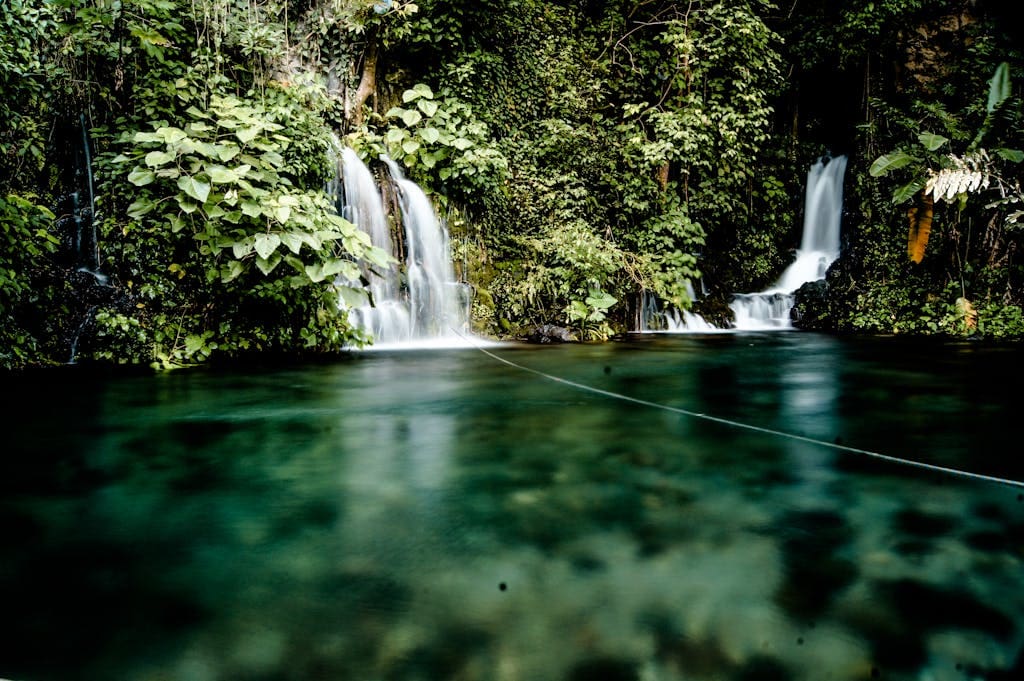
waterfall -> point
(672, 320)
(769, 309)
(819, 247)
(419, 302)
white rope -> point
(747, 426)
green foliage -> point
(25, 245)
(25, 77)
(591, 151)
(438, 139)
(229, 217)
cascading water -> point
(672, 320)
(421, 303)
(819, 247)
(386, 317)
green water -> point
(440, 515)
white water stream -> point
(420, 303)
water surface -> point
(440, 515)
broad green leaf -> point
(889, 162)
(312, 240)
(931, 141)
(411, 117)
(423, 90)
(273, 159)
(140, 177)
(346, 268)
(267, 265)
(282, 213)
(147, 137)
(395, 135)
(197, 189)
(999, 87)
(395, 112)
(227, 152)
(231, 270)
(908, 191)
(600, 299)
(428, 107)
(177, 224)
(246, 135)
(158, 158)
(171, 135)
(266, 244)
(292, 240)
(251, 208)
(430, 135)
(410, 146)
(240, 249)
(140, 207)
(220, 175)
(194, 343)
(315, 272)
(378, 256)
(1011, 155)
(353, 297)
(211, 151)
(461, 143)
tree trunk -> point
(367, 83)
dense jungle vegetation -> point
(165, 161)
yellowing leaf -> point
(967, 314)
(920, 218)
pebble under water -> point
(439, 515)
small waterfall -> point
(386, 318)
(769, 309)
(819, 247)
(672, 320)
(419, 302)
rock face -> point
(931, 47)
(811, 307)
(549, 333)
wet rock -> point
(716, 311)
(550, 333)
(811, 306)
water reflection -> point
(438, 515)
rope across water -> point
(746, 426)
